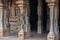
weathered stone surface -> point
(51, 36)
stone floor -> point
(33, 37)
(15, 38)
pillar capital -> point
(20, 3)
(51, 1)
(1, 4)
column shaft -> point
(39, 8)
(27, 24)
(51, 18)
(51, 34)
(21, 6)
(13, 10)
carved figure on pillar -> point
(23, 18)
(21, 7)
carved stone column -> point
(24, 15)
(1, 17)
(27, 24)
(39, 8)
(21, 6)
(52, 5)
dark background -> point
(34, 15)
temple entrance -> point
(33, 15)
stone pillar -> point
(52, 5)
(24, 13)
(27, 24)
(21, 5)
(1, 17)
(39, 8)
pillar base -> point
(27, 31)
(51, 36)
(21, 34)
(57, 36)
(39, 30)
(6, 34)
(5, 31)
